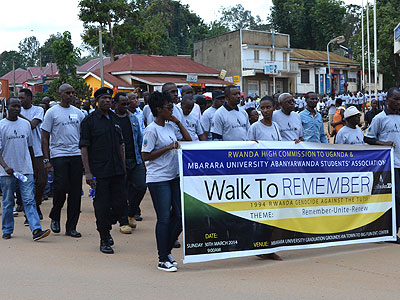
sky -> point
(45, 17)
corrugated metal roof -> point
(114, 80)
(21, 76)
(314, 55)
(181, 80)
(152, 63)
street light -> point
(337, 40)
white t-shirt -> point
(290, 126)
(386, 128)
(176, 112)
(196, 110)
(63, 124)
(332, 109)
(232, 125)
(260, 132)
(147, 115)
(192, 124)
(15, 138)
(165, 167)
(351, 136)
(35, 112)
(207, 121)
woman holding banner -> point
(162, 178)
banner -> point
(247, 198)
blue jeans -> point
(166, 197)
(8, 186)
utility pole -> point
(14, 89)
(363, 54)
(375, 54)
(369, 55)
(101, 57)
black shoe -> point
(138, 217)
(105, 247)
(19, 208)
(26, 223)
(39, 234)
(110, 241)
(55, 226)
(6, 236)
(177, 244)
(73, 233)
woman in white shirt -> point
(162, 178)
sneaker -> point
(19, 208)
(126, 229)
(177, 244)
(15, 213)
(6, 236)
(132, 222)
(26, 223)
(39, 234)
(172, 260)
(166, 266)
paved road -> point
(61, 267)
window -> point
(285, 64)
(305, 76)
(256, 55)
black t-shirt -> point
(127, 133)
(371, 114)
(103, 137)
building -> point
(151, 72)
(256, 61)
(313, 73)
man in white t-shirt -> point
(385, 130)
(61, 153)
(17, 171)
(34, 115)
(289, 122)
(350, 133)
(207, 119)
(331, 106)
(190, 119)
(230, 122)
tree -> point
(46, 51)
(6, 61)
(66, 57)
(105, 14)
(237, 17)
(29, 49)
(311, 24)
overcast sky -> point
(25, 18)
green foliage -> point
(38, 96)
(6, 61)
(29, 49)
(311, 24)
(236, 17)
(46, 51)
(66, 57)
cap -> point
(103, 91)
(351, 111)
(200, 99)
(218, 94)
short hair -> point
(227, 90)
(268, 98)
(167, 85)
(249, 110)
(282, 96)
(391, 92)
(158, 99)
(339, 101)
(27, 92)
(10, 99)
(307, 95)
(119, 94)
(187, 98)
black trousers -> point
(68, 171)
(136, 189)
(109, 203)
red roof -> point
(21, 76)
(94, 64)
(113, 80)
(179, 80)
(152, 63)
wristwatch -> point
(46, 160)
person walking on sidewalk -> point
(16, 156)
(60, 140)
